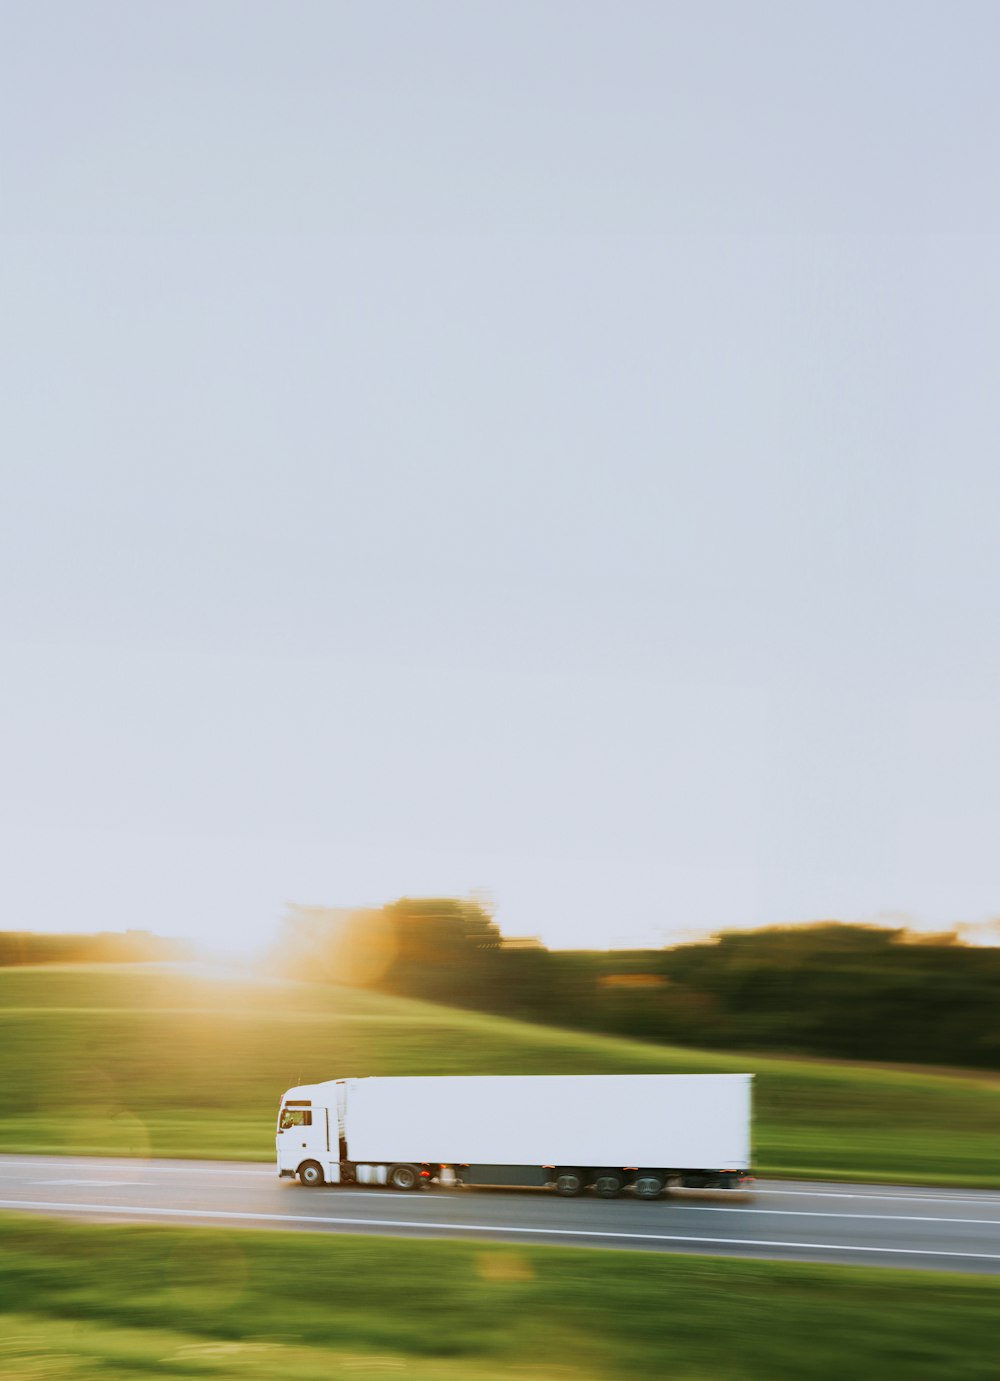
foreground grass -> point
(157, 1062)
(85, 1301)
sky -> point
(541, 450)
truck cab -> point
(302, 1139)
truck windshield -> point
(295, 1117)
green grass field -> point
(86, 1302)
(127, 1061)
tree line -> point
(827, 989)
(19, 947)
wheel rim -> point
(648, 1187)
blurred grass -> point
(83, 1301)
(117, 1061)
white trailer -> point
(608, 1131)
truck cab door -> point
(300, 1136)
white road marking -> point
(819, 1213)
(928, 1198)
(103, 1184)
(265, 1171)
(495, 1231)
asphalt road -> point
(878, 1225)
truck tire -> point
(404, 1177)
(311, 1174)
(569, 1183)
(648, 1186)
(608, 1184)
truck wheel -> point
(569, 1183)
(648, 1187)
(609, 1184)
(404, 1177)
(311, 1173)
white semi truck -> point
(569, 1132)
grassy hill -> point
(173, 1063)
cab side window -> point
(295, 1117)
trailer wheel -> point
(311, 1173)
(609, 1184)
(569, 1183)
(648, 1187)
(404, 1177)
